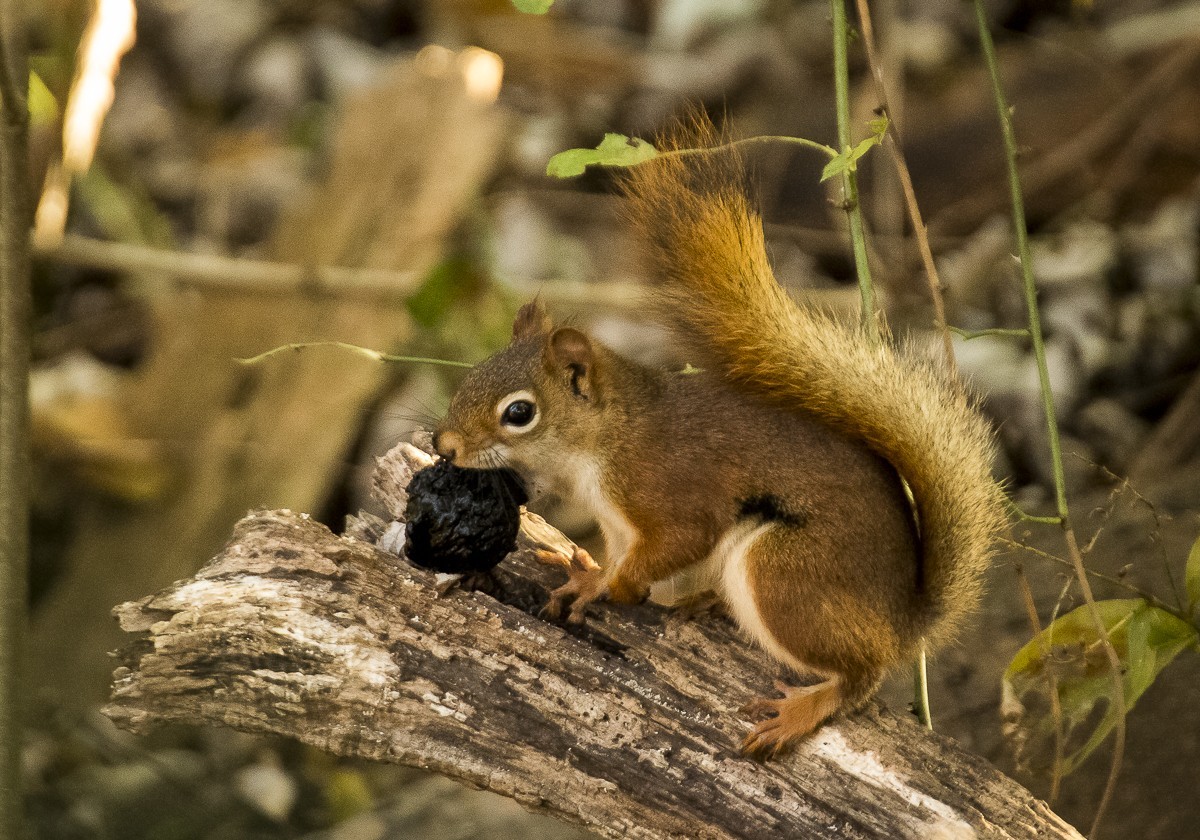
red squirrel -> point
(773, 475)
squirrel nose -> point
(447, 445)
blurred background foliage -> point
(372, 171)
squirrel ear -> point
(531, 320)
(570, 350)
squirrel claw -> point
(764, 742)
(697, 606)
(769, 738)
(585, 583)
(763, 706)
(793, 717)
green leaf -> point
(533, 7)
(614, 150)
(847, 159)
(123, 209)
(1146, 639)
(451, 280)
(1193, 576)
(43, 106)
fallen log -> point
(628, 725)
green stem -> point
(15, 319)
(1039, 350)
(354, 348)
(862, 266)
(858, 235)
(1148, 597)
(970, 334)
(750, 141)
(1021, 231)
(1029, 517)
(921, 689)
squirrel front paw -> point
(585, 583)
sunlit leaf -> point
(1146, 639)
(1193, 576)
(533, 7)
(847, 159)
(43, 105)
(614, 150)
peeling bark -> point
(628, 725)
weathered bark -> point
(629, 726)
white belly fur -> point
(724, 570)
(730, 558)
(619, 533)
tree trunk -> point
(16, 317)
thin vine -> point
(870, 323)
(374, 355)
(1035, 333)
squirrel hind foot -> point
(793, 717)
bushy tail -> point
(716, 289)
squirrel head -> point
(531, 406)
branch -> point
(240, 274)
(628, 726)
(231, 273)
(15, 319)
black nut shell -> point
(461, 520)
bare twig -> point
(1149, 597)
(222, 273)
(1035, 625)
(997, 331)
(232, 273)
(1118, 679)
(891, 141)
(15, 315)
(1124, 485)
(353, 348)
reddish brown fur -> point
(794, 434)
(680, 455)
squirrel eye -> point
(518, 413)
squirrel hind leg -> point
(817, 625)
(792, 718)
